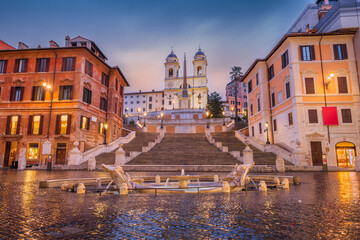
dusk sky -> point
(137, 35)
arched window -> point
(171, 72)
(199, 70)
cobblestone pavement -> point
(324, 206)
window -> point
(65, 92)
(287, 89)
(121, 90)
(271, 72)
(87, 95)
(285, 59)
(16, 93)
(150, 106)
(169, 102)
(150, 99)
(42, 65)
(21, 65)
(346, 115)
(68, 64)
(143, 109)
(245, 104)
(33, 151)
(313, 116)
(260, 128)
(250, 86)
(85, 123)
(340, 52)
(115, 108)
(101, 128)
(3, 66)
(13, 125)
(252, 131)
(275, 125)
(38, 93)
(137, 102)
(171, 72)
(257, 79)
(88, 68)
(232, 102)
(258, 105)
(120, 112)
(307, 53)
(35, 124)
(273, 103)
(105, 80)
(103, 104)
(251, 109)
(63, 124)
(309, 86)
(342, 84)
(116, 84)
(137, 96)
(280, 97)
(290, 118)
(131, 110)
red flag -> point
(330, 116)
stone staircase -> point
(184, 149)
(234, 144)
(141, 140)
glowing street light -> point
(267, 132)
(138, 110)
(223, 113)
(145, 119)
(162, 114)
(207, 119)
(105, 129)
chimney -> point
(67, 41)
(22, 45)
(307, 28)
(53, 44)
(324, 8)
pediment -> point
(315, 135)
(18, 81)
(67, 81)
(87, 83)
(62, 137)
(309, 72)
(103, 93)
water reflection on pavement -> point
(325, 205)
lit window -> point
(63, 124)
(33, 151)
(36, 125)
(14, 124)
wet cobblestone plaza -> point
(324, 206)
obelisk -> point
(184, 97)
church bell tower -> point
(172, 66)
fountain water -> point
(167, 182)
(182, 172)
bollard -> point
(124, 189)
(296, 180)
(276, 181)
(157, 179)
(263, 186)
(216, 178)
(98, 183)
(285, 183)
(280, 164)
(225, 187)
(80, 189)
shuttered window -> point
(287, 89)
(35, 125)
(63, 124)
(87, 95)
(103, 104)
(38, 93)
(13, 125)
(340, 52)
(3, 66)
(105, 80)
(116, 84)
(68, 64)
(85, 123)
(275, 125)
(313, 116)
(88, 68)
(271, 72)
(342, 84)
(17, 93)
(290, 118)
(21, 65)
(309, 86)
(346, 115)
(250, 86)
(273, 103)
(260, 128)
(251, 109)
(285, 59)
(65, 92)
(258, 105)
(253, 131)
(42, 65)
(307, 53)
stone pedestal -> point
(80, 189)
(248, 156)
(120, 157)
(280, 164)
(92, 164)
(184, 103)
(157, 179)
(285, 183)
(75, 157)
(225, 187)
(357, 163)
(22, 159)
(263, 186)
(299, 158)
(124, 189)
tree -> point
(214, 105)
(236, 75)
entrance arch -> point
(345, 154)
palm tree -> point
(236, 75)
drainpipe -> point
(323, 81)
(269, 100)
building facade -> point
(52, 97)
(237, 88)
(307, 100)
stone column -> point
(75, 157)
(357, 163)
(248, 156)
(280, 164)
(120, 157)
(22, 157)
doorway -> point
(60, 153)
(345, 154)
(10, 153)
(316, 153)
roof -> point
(5, 46)
(293, 35)
(172, 54)
(79, 39)
(122, 75)
(199, 53)
(135, 93)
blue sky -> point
(137, 35)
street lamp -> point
(267, 132)
(105, 129)
(126, 118)
(138, 110)
(145, 119)
(223, 113)
(232, 111)
(207, 119)
(162, 114)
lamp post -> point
(48, 87)
(105, 129)
(267, 132)
(145, 119)
(223, 113)
(162, 114)
(232, 111)
(138, 110)
(126, 118)
(207, 119)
